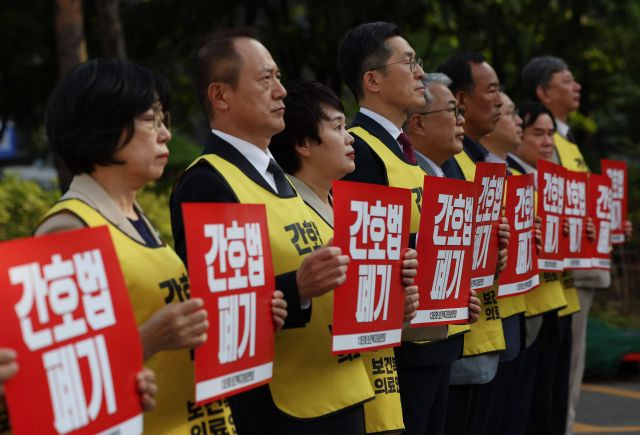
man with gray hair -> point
(547, 79)
(437, 132)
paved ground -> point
(611, 406)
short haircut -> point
(305, 106)
(434, 79)
(94, 104)
(530, 111)
(362, 49)
(216, 59)
(458, 68)
(538, 72)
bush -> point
(22, 205)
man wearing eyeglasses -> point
(437, 132)
(382, 71)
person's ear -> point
(371, 81)
(218, 95)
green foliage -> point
(22, 205)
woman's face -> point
(146, 154)
(334, 154)
(537, 141)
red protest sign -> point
(489, 182)
(231, 269)
(616, 170)
(372, 226)
(66, 311)
(551, 194)
(576, 245)
(600, 211)
(445, 252)
(521, 273)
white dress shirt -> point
(385, 123)
(258, 158)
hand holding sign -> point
(321, 271)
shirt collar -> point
(384, 122)
(527, 167)
(258, 158)
(492, 158)
(562, 128)
(435, 169)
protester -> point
(108, 122)
(315, 149)
(381, 69)
(238, 84)
(476, 88)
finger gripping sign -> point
(230, 268)
(66, 311)
(445, 252)
(616, 170)
(600, 198)
(521, 273)
(372, 227)
(551, 200)
(489, 182)
(578, 254)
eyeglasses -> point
(161, 118)
(457, 111)
(413, 63)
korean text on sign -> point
(551, 200)
(446, 243)
(66, 311)
(578, 254)
(489, 181)
(521, 273)
(600, 211)
(372, 226)
(616, 170)
(230, 266)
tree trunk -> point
(72, 50)
(113, 44)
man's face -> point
(256, 104)
(399, 86)
(508, 132)
(444, 131)
(482, 103)
(563, 92)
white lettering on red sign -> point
(60, 286)
(381, 224)
(235, 248)
(524, 221)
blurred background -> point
(40, 40)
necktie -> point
(282, 184)
(407, 148)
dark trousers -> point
(423, 391)
(504, 407)
(550, 392)
(255, 413)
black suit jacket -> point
(202, 183)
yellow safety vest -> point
(384, 412)
(308, 381)
(571, 158)
(407, 176)
(149, 273)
